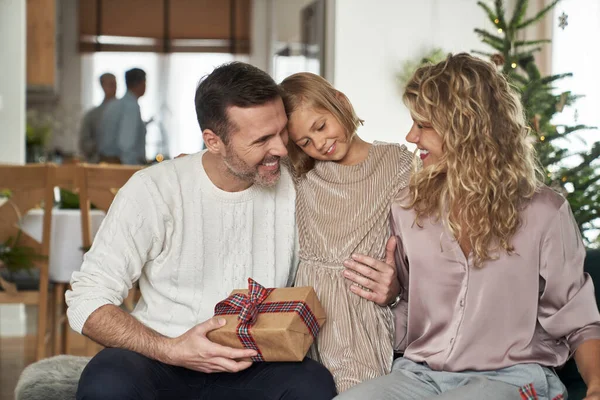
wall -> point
(12, 118)
(70, 109)
(330, 40)
(12, 81)
(287, 19)
(261, 34)
(372, 42)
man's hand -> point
(194, 351)
(381, 278)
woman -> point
(490, 259)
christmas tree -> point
(579, 183)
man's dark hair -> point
(233, 84)
(134, 77)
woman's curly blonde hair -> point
(488, 169)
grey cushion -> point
(53, 378)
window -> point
(572, 51)
(171, 81)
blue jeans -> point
(123, 374)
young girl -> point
(345, 187)
(494, 293)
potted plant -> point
(38, 131)
(14, 258)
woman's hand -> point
(378, 280)
(593, 394)
(587, 357)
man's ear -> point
(213, 142)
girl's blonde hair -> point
(309, 90)
(488, 168)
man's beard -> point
(247, 173)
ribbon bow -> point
(248, 306)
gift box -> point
(280, 324)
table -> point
(66, 254)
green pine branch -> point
(492, 39)
(499, 6)
(572, 98)
(520, 43)
(553, 78)
(575, 128)
(490, 13)
(584, 164)
(555, 159)
(587, 183)
(519, 14)
(529, 52)
(494, 45)
(538, 16)
(520, 79)
(587, 217)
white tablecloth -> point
(66, 255)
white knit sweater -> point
(189, 244)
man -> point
(122, 131)
(191, 230)
(88, 135)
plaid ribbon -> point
(528, 392)
(248, 306)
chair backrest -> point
(30, 186)
(98, 185)
(66, 176)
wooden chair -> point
(98, 185)
(31, 186)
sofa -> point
(57, 377)
(569, 374)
